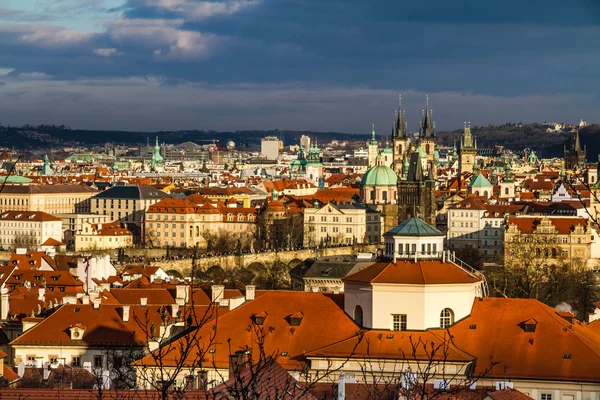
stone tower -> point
(416, 193)
(372, 149)
(574, 154)
(467, 151)
(400, 140)
(427, 134)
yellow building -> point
(52, 199)
(180, 222)
(102, 236)
(555, 237)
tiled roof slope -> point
(323, 323)
(434, 272)
(557, 350)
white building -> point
(415, 291)
(341, 223)
(269, 147)
(28, 229)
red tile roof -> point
(37, 216)
(235, 328)
(557, 350)
(434, 272)
(564, 225)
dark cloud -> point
(481, 50)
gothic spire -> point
(427, 128)
(400, 124)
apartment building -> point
(28, 229)
(341, 224)
(72, 223)
(559, 237)
(102, 236)
(127, 203)
(51, 199)
(180, 222)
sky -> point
(334, 65)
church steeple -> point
(400, 130)
(427, 128)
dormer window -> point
(529, 326)
(296, 318)
(76, 331)
(259, 318)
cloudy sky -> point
(296, 64)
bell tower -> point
(400, 139)
(467, 151)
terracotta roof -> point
(564, 225)
(430, 272)
(235, 328)
(105, 325)
(399, 345)
(10, 375)
(37, 216)
(173, 205)
(508, 394)
(108, 229)
(52, 242)
(471, 203)
(133, 296)
(556, 350)
(270, 381)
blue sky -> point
(335, 65)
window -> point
(399, 322)
(97, 361)
(53, 359)
(546, 396)
(358, 315)
(76, 361)
(348, 219)
(323, 219)
(446, 318)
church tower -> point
(372, 149)
(416, 192)
(427, 134)
(574, 154)
(400, 139)
(467, 151)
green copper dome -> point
(379, 175)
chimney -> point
(174, 310)
(85, 299)
(96, 302)
(235, 302)
(143, 301)
(250, 292)
(236, 363)
(125, 313)
(217, 292)
(21, 369)
(41, 294)
(342, 380)
(4, 304)
(46, 371)
(182, 291)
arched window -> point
(446, 318)
(358, 315)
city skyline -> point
(235, 65)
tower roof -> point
(434, 272)
(379, 175)
(480, 181)
(414, 227)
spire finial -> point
(400, 100)
(465, 124)
(427, 100)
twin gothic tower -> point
(406, 188)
